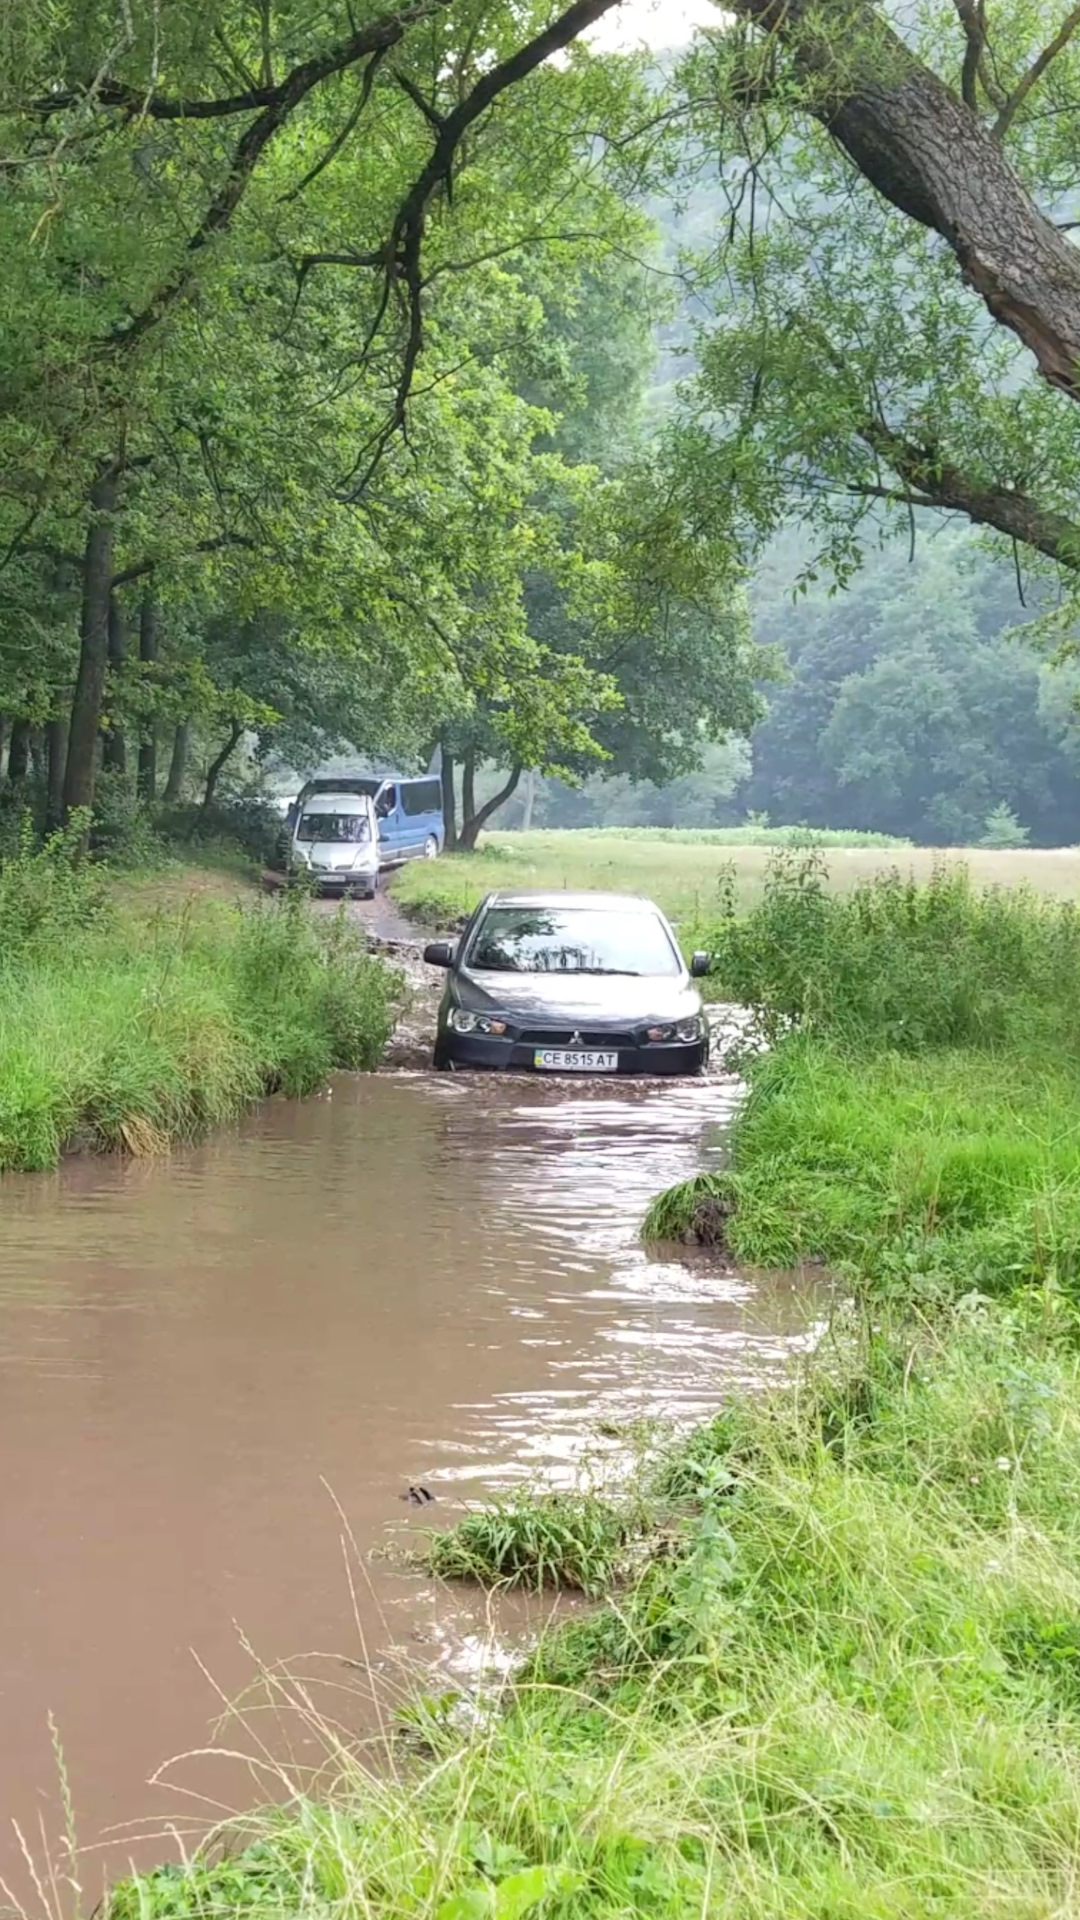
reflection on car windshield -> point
(571, 940)
(334, 826)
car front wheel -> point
(431, 848)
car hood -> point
(335, 854)
(591, 999)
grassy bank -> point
(833, 1668)
(130, 1026)
(843, 1680)
(921, 1128)
(683, 871)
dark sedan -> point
(570, 983)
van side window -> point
(421, 796)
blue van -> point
(409, 811)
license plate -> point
(561, 1060)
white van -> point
(336, 838)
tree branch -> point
(913, 139)
(347, 130)
(221, 542)
(378, 36)
(405, 250)
(255, 98)
(1035, 72)
(937, 482)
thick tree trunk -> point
(18, 765)
(449, 801)
(148, 653)
(56, 758)
(94, 644)
(474, 823)
(214, 771)
(114, 746)
(931, 156)
(174, 783)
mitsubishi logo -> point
(576, 1040)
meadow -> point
(682, 870)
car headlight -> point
(462, 1021)
(689, 1030)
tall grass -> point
(918, 1118)
(125, 1034)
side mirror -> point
(441, 954)
(700, 964)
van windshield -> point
(334, 826)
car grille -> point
(590, 1038)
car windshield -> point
(572, 940)
(334, 826)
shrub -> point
(898, 964)
(48, 894)
(249, 822)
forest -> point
(324, 430)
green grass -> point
(955, 1169)
(129, 1030)
(846, 1684)
(683, 871)
(921, 1125)
(574, 1540)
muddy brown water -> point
(206, 1362)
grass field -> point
(682, 873)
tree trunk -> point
(449, 802)
(148, 653)
(473, 824)
(530, 801)
(934, 159)
(213, 774)
(114, 746)
(174, 784)
(56, 758)
(94, 644)
(468, 796)
(18, 765)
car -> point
(570, 983)
(335, 841)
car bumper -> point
(488, 1054)
(343, 882)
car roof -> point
(599, 902)
(344, 802)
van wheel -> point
(431, 848)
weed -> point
(562, 1540)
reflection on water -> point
(413, 1278)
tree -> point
(258, 228)
(898, 306)
(910, 707)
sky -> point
(657, 23)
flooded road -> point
(413, 1278)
